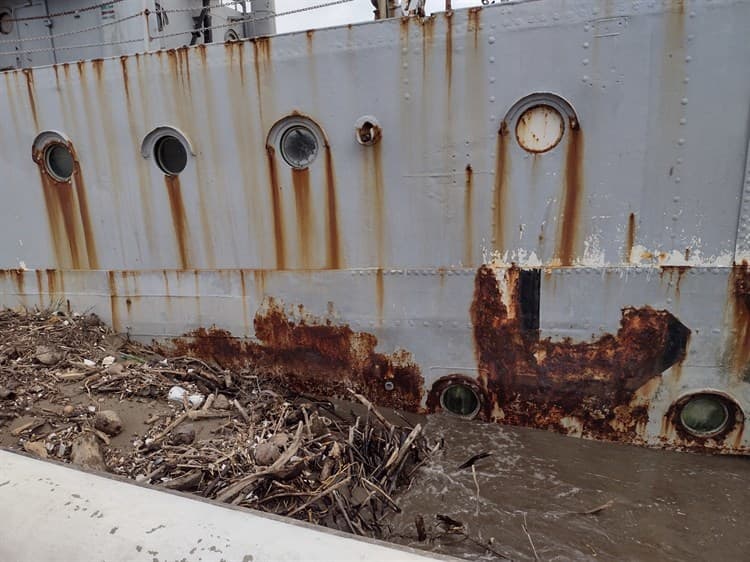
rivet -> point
(407, 96)
(683, 121)
(677, 179)
(586, 27)
(492, 99)
(491, 39)
(585, 61)
(585, 78)
(686, 80)
(586, 45)
(688, 58)
(676, 199)
(492, 79)
(680, 141)
(684, 101)
(492, 59)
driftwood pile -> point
(266, 448)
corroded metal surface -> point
(589, 288)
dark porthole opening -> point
(59, 162)
(705, 415)
(299, 146)
(460, 400)
(170, 155)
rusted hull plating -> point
(554, 251)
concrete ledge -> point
(53, 512)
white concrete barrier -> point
(52, 512)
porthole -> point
(705, 415)
(170, 155)
(460, 399)
(231, 35)
(299, 146)
(59, 161)
(539, 128)
(6, 23)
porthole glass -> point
(59, 162)
(460, 399)
(231, 35)
(299, 146)
(704, 415)
(6, 23)
(539, 128)
(170, 155)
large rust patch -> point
(312, 356)
(583, 388)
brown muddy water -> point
(660, 505)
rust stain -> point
(305, 226)
(449, 50)
(245, 311)
(55, 282)
(179, 219)
(739, 346)
(68, 215)
(379, 294)
(536, 382)
(261, 62)
(85, 215)
(630, 238)
(675, 273)
(572, 198)
(332, 220)
(373, 181)
(113, 300)
(278, 217)
(468, 214)
(29, 75)
(473, 25)
(39, 286)
(502, 179)
(313, 356)
(125, 81)
(98, 68)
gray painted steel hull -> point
(636, 207)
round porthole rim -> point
(150, 140)
(448, 384)
(735, 414)
(276, 133)
(553, 100)
(43, 142)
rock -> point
(47, 356)
(68, 410)
(6, 393)
(86, 452)
(184, 434)
(280, 439)
(115, 369)
(266, 454)
(108, 361)
(36, 448)
(108, 421)
(221, 402)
